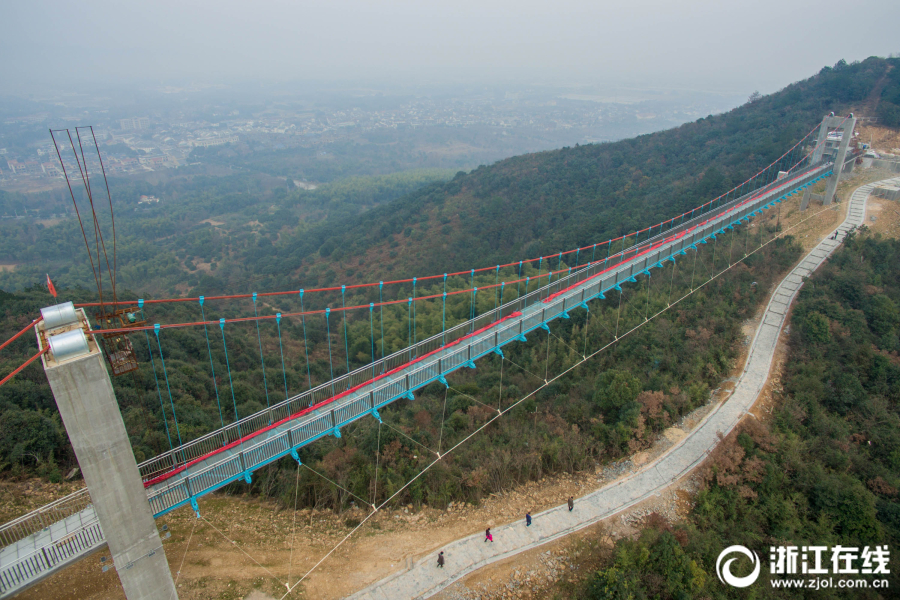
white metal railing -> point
(218, 471)
(213, 441)
(41, 518)
(27, 569)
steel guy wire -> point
(500, 414)
(186, 548)
(443, 417)
(294, 523)
(472, 398)
(236, 545)
(337, 485)
(389, 426)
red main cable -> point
(23, 365)
(27, 327)
(458, 273)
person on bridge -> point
(571, 503)
(441, 559)
(528, 519)
(487, 535)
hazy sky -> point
(703, 44)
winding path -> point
(471, 553)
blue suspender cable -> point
(527, 279)
(372, 334)
(262, 362)
(518, 283)
(472, 312)
(472, 307)
(230, 381)
(153, 364)
(444, 319)
(346, 346)
(281, 347)
(211, 367)
(305, 343)
(409, 323)
(415, 329)
(496, 291)
(444, 312)
(381, 308)
(593, 252)
(328, 336)
(166, 374)
(502, 285)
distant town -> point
(165, 139)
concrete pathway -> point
(471, 553)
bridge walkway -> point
(180, 476)
(466, 555)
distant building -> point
(220, 141)
(148, 199)
(29, 167)
(134, 123)
(154, 160)
(51, 169)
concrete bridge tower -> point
(832, 143)
(87, 404)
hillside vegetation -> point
(539, 204)
(519, 207)
(825, 470)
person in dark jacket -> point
(487, 535)
(571, 503)
(528, 519)
(441, 559)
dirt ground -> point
(809, 226)
(883, 217)
(243, 547)
(881, 139)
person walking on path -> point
(528, 519)
(441, 559)
(571, 503)
(487, 535)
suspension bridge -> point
(46, 540)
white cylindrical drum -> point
(70, 344)
(59, 315)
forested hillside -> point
(251, 232)
(824, 470)
(539, 204)
(205, 232)
(521, 207)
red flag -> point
(50, 286)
